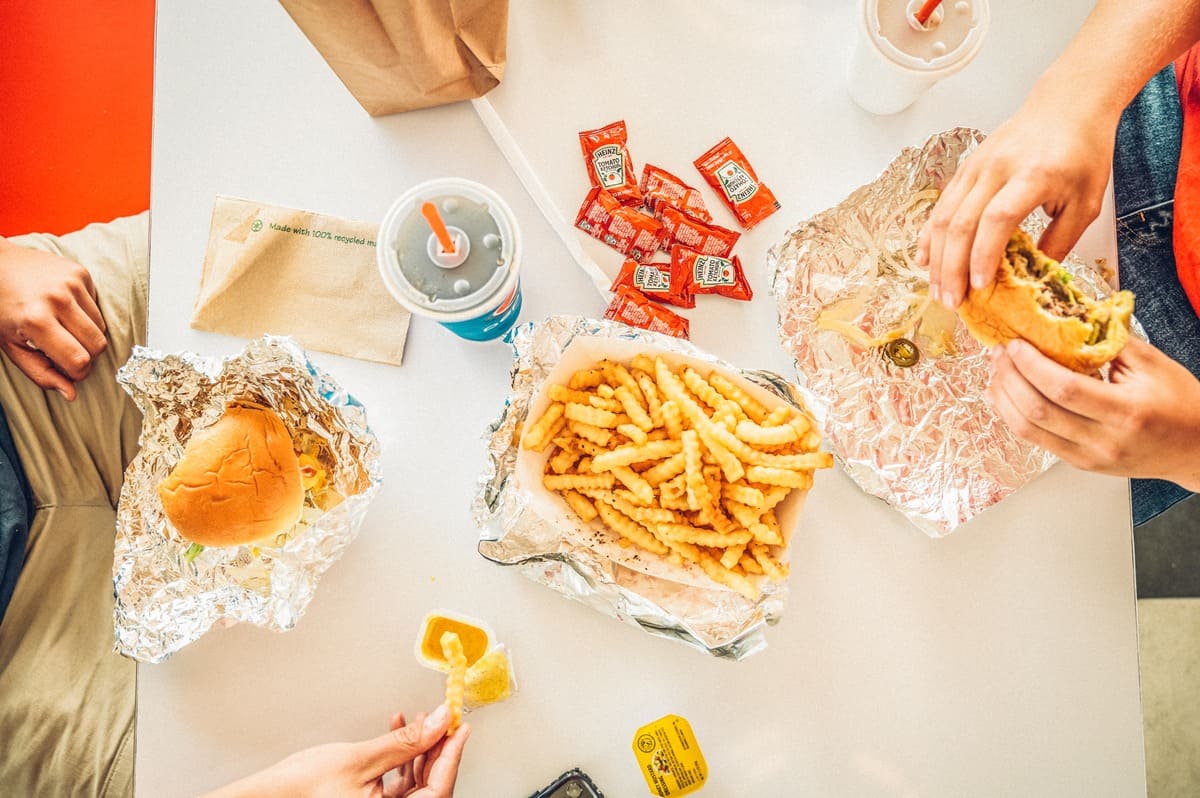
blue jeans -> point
(1144, 167)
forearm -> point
(1121, 45)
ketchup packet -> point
(712, 275)
(632, 308)
(727, 170)
(707, 239)
(662, 282)
(630, 232)
(661, 188)
(609, 164)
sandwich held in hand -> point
(1035, 298)
(239, 481)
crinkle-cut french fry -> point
(566, 442)
(638, 486)
(712, 568)
(802, 424)
(812, 440)
(588, 448)
(584, 466)
(556, 429)
(755, 435)
(773, 495)
(595, 416)
(744, 514)
(629, 529)
(741, 492)
(563, 460)
(586, 378)
(576, 481)
(731, 467)
(605, 390)
(678, 502)
(779, 476)
(664, 470)
(643, 515)
(634, 409)
(697, 490)
(775, 570)
(796, 462)
(634, 433)
(700, 387)
(611, 405)
(538, 435)
(619, 376)
(765, 534)
(642, 362)
(672, 419)
(779, 415)
(456, 678)
(561, 393)
(750, 565)
(754, 408)
(707, 458)
(597, 435)
(626, 455)
(700, 536)
(653, 401)
(580, 505)
(674, 487)
(733, 555)
(657, 435)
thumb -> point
(38, 368)
(378, 756)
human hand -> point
(1144, 423)
(426, 761)
(1047, 155)
(50, 324)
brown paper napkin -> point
(291, 272)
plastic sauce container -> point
(475, 291)
(896, 60)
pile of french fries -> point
(682, 465)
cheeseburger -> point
(1033, 298)
(238, 481)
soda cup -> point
(472, 289)
(896, 59)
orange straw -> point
(430, 212)
(927, 11)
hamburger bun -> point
(237, 482)
(1032, 298)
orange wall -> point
(76, 82)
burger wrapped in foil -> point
(519, 527)
(896, 378)
(169, 593)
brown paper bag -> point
(289, 272)
(399, 55)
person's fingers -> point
(939, 223)
(1003, 214)
(1028, 431)
(38, 368)
(444, 769)
(49, 336)
(1065, 229)
(960, 237)
(1080, 394)
(379, 755)
(78, 323)
(85, 295)
(404, 774)
(1036, 408)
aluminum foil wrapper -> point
(922, 438)
(514, 532)
(163, 601)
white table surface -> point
(999, 661)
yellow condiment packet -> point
(670, 757)
(490, 679)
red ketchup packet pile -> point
(664, 213)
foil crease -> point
(922, 438)
(512, 533)
(164, 602)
